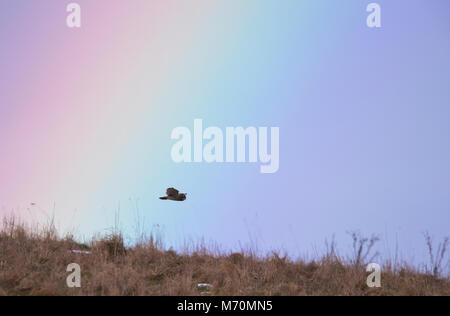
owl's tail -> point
(163, 198)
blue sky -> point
(363, 116)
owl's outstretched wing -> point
(172, 192)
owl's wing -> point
(172, 192)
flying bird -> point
(174, 195)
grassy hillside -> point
(34, 263)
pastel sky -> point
(86, 117)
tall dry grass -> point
(33, 262)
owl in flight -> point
(174, 195)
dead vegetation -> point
(34, 263)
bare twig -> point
(436, 258)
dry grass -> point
(35, 264)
